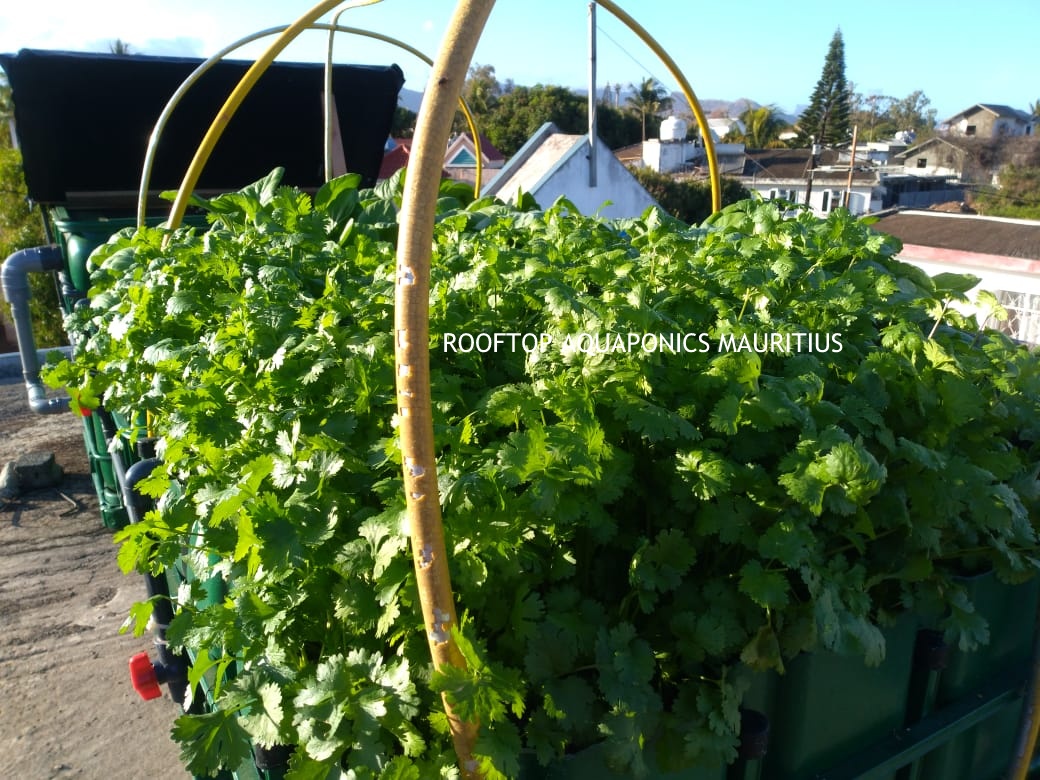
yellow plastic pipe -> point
(412, 351)
(238, 94)
(463, 107)
(195, 75)
(1029, 725)
(687, 90)
(171, 105)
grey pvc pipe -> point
(14, 276)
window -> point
(1023, 320)
(969, 130)
(922, 162)
(788, 195)
(826, 201)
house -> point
(970, 160)
(631, 155)
(938, 156)
(987, 120)
(553, 164)
(721, 126)
(460, 160)
(395, 156)
(880, 153)
(1003, 253)
(785, 174)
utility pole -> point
(809, 171)
(852, 167)
(592, 94)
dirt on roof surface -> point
(67, 709)
(966, 233)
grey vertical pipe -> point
(15, 279)
(592, 95)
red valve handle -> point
(144, 678)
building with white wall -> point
(553, 164)
(1003, 253)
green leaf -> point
(400, 768)
(659, 566)
(726, 415)
(654, 422)
(264, 718)
(954, 284)
(338, 197)
(303, 767)
(763, 651)
(768, 589)
(708, 474)
(211, 741)
(788, 541)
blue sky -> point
(769, 51)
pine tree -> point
(827, 117)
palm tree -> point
(762, 127)
(650, 97)
(1034, 108)
(119, 46)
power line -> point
(628, 54)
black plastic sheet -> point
(83, 122)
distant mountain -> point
(411, 99)
(733, 108)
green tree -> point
(519, 113)
(762, 128)
(648, 99)
(119, 46)
(21, 227)
(827, 118)
(689, 201)
(1018, 195)
(616, 127)
(882, 116)
(481, 92)
(913, 113)
(870, 114)
(403, 123)
(1034, 108)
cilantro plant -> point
(627, 527)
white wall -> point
(613, 183)
(666, 157)
(861, 201)
(1019, 292)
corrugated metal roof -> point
(965, 233)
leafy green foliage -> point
(827, 117)
(627, 526)
(689, 201)
(21, 227)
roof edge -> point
(522, 155)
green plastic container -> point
(984, 751)
(102, 474)
(591, 764)
(826, 707)
(81, 236)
